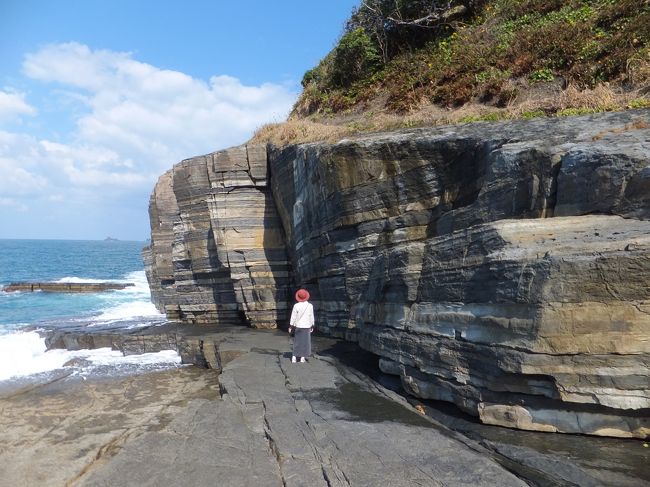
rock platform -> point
(264, 421)
(65, 287)
(284, 424)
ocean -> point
(22, 349)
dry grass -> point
(573, 101)
(297, 132)
(529, 103)
(638, 124)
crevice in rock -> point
(273, 447)
(325, 476)
(105, 452)
(549, 207)
(531, 475)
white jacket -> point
(302, 315)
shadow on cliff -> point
(274, 245)
(223, 288)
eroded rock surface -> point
(502, 267)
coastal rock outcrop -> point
(502, 267)
(217, 250)
(65, 287)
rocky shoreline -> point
(257, 419)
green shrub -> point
(474, 56)
(533, 114)
(355, 57)
(544, 74)
(488, 117)
(572, 112)
(639, 103)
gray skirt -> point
(302, 343)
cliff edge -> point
(502, 267)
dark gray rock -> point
(498, 266)
(283, 424)
(442, 250)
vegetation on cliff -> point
(413, 62)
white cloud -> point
(131, 122)
(155, 117)
(20, 171)
(72, 64)
(13, 104)
(15, 205)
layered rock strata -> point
(217, 250)
(503, 267)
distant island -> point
(111, 239)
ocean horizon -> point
(23, 314)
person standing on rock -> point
(302, 321)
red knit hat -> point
(302, 295)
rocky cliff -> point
(503, 267)
(217, 250)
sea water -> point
(22, 349)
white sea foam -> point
(132, 303)
(129, 311)
(76, 280)
(24, 353)
(129, 304)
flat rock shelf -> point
(66, 287)
(254, 418)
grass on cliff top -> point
(500, 59)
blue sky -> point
(98, 98)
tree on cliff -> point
(396, 25)
(378, 31)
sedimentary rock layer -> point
(217, 250)
(502, 267)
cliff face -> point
(217, 250)
(502, 267)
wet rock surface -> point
(265, 421)
(282, 424)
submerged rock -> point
(502, 267)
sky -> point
(99, 97)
